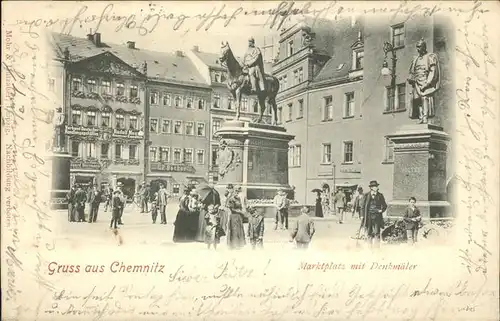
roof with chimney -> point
(162, 66)
(343, 38)
(212, 60)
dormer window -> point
(358, 56)
(290, 48)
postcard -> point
(250, 160)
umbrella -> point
(317, 190)
(208, 195)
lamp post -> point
(388, 47)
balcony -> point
(164, 167)
(105, 97)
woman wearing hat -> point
(373, 206)
(182, 220)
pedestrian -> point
(109, 197)
(117, 207)
(318, 208)
(145, 191)
(340, 204)
(213, 228)
(255, 230)
(373, 206)
(358, 200)
(282, 203)
(119, 189)
(325, 199)
(80, 199)
(70, 197)
(412, 220)
(303, 230)
(162, 200)
(154, 207)
(95, 201)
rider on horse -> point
(254, 66)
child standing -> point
(255, 230)
(117, 206)
(213, 229)
(412, 220)
(154, 207)
(303, 231)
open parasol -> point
(317, 190)
(208, 195)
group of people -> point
(370, 208)
(81, 197)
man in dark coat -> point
(80, 199)
(373, 206)
(71, 203)
(95, 201)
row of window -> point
(103, 86)
(121, 151)
(89, 150)
(298, 77)
(168, 126)
(180, 155)
(103, 119)
(395, 100)
(177, 101)
(295, 153)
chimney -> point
(179, 53)
(90, 36)
(196, 49)
(131, 44)
(97, 39)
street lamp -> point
(386, 71)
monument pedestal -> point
(420, 170)
(60, 180)
(256, 158)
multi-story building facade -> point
(179, 117)
(104, 102)
(339, 106)
(222, 105)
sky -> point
(180, 27)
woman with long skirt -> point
(235, 230)
(182, 224)
(319, 206)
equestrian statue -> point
(250, 79)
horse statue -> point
(238, 83)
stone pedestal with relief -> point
(60, 179)
(420, 153)
(256, 158)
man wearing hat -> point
(144, 197)
(123, 198)
(80, 198)
(95, 198)
(373, 206)
(254, 63)
(282, 203)
(162, 201)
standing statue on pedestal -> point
(250, 79)
(425, 80)
(59, 131)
